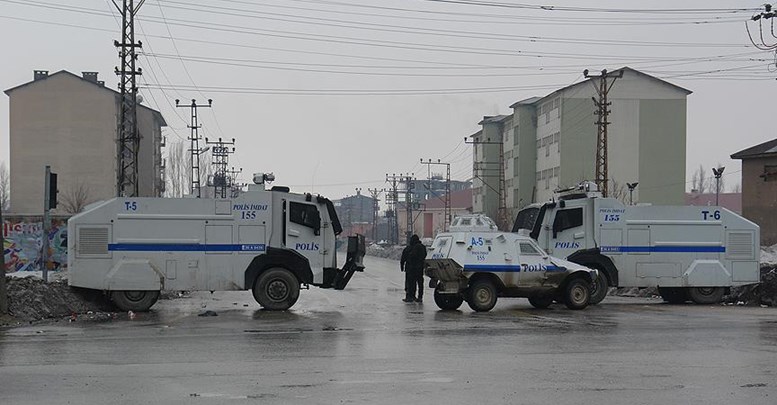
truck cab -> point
(688, 252)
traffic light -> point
(52, 190)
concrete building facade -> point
(759, 188)
(70, 122)
(550, 142)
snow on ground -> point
(769, 254)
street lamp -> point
(631, 187)
(718, 173)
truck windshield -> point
(526, 218)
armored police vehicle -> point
(270, 241)
(688, 252)
(475, 262)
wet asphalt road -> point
(363, 345)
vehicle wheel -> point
(482, 296)
(706, 295)
(577, 293)
(276, 289)
(541, 302)
(138, 301)
(673, 295)
(448, 302)
(599, 289)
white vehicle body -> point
(681, 249)
(474, 252)
(152, 244)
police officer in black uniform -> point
(412, 263)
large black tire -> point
(599, 289)
(673, 295)
(448, 302)
(482, 296)
(706, 295)
(138, 301)
(577, 293)
(541, 302)
(276, 289)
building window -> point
(770, 173)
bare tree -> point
(737, 188)
(619, 192)
(179, 170)
(76, 197)
(699, 180)
(5, 186)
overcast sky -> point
(333, 94)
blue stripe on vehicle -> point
(507, 268)
(496, 268)
(663, 249)
(184, 247)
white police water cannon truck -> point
(270, 241)
(477, 263)
(692, 253)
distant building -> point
(429, 215)
(355, 213)
(759, 188)
(70, 122)
(550, 142)
(732, 201)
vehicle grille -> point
(93, 241)
(740, 245)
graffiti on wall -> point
(23, 241)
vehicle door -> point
(534, 263)
(567, 232)
(303, 231)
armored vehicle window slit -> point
(568, 219)
(304, 214)
(528, 249)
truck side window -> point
(568, 219)
(304, 214)
(528, 249)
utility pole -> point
(129, 138)
(3, 288)
(502, 219)
(409, 182)
(220, 152)
(194, 145)
(606, 81)
(49, 202)
(447, 197)
(392, 198)
(375, 193)
(233, 184)
(763, 43)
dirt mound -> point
(29, 299)
(764, 293)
